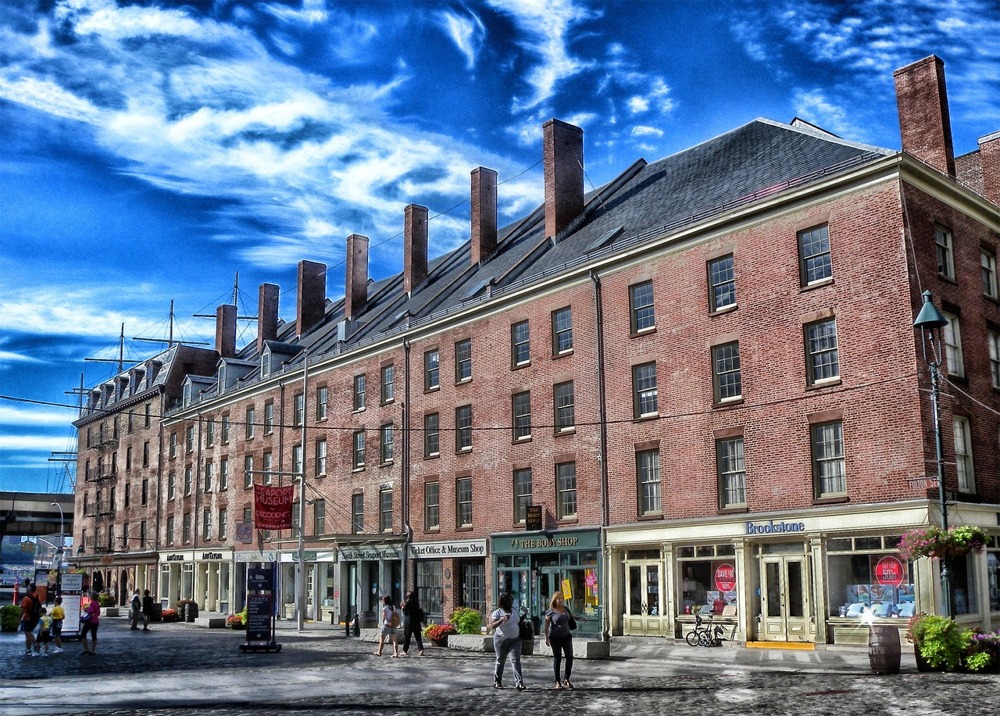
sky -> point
(154, 151)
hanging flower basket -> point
(935, 542)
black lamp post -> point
(928, 320)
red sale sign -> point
(889, 572)
(725, 577)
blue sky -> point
(153, 150)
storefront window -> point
(867, 578)
(993, 572)
(964, 597)
(429, 586)
(707, 579)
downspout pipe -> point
(405, 472)
(602, 403)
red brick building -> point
(704, 373)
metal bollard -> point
(357, 625)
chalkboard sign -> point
(533, 518)
(258, 617)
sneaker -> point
(57, 650)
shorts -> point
(57, 628)
(44, 637)
(89, 627)
(388, 630)
(29, 625)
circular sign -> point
(591, 580)
(889, 572)
(725, 577)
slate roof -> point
(758, 160)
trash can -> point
(191, 611)
(156, 613)
(883, 649)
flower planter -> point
(443, 642)
(238, 626)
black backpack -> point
(35, 612)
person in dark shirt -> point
(147, 609)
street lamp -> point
(59, 552)
(927, 320)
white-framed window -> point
(642, 316)
(993, 340)
(952, 336)
(249, 426)
(732, 472)
(945, 252)
(358, 513)
(359, 449)
(224, 473)
(432, 378)
(564, 400)
(522, 494)
(988, 262)
(562, 330)
(432, 505)
(727, 381)
(209, 475)
(319, 517)
(647, 469)
(388, 383)
(248, 471)
(520, 344)
(721, 283)
(644, 391)
(828, 459)
(266, 464)
(299, 409)
(566, 490)
(432, 435)
(814, 255)
(463, 428)
(322, 400)
(463, 502)
(463, 360)
(321, 457)
(223, 518)
(359, 392)
(268, 418)
(964, 467)
(521, 413)
(822, 354)
(297, 459)
(385, 509)
(386, 443)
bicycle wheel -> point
(692, 637)
(705, 638)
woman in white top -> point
(390, 622)
(506, 641)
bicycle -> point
(708, 633)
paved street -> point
(181, 669)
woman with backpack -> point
(413, 617)
(90, 618)
(31, 611)
(390, 624)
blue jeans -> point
(505, 648)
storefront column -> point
(609, 591)
(670, 605)
(213, 587)
(818, 556)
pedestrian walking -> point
(506, 641)
(559, 626)
(390, 625)
(31, 611)
(90, 617)
(58, 615)
(413, 618)
(44, 634)
(147, 609)
(135, 609)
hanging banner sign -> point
(273, 507)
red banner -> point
(273, 507)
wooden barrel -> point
(883, 649)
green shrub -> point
(467, 621)
(940, 640)
(10, 616)
(106, 600)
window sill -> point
(519, 366)
(322, 474)
(963, 379)
(463, 381)
(728, 403)
(645, 417)
(737, 510)
(649, 516)
(522, 440)
(949, 279)
(387, 463)
(464, 451)
(816, 284)
(432, 531)
(724, 310)
(357, 410)
(643, 332)
(464, 528)
(432, 456)
(574, 520)
(840, 499)
(318, 420)
(358, 468)
(825, 383)
(387, 402)
(562, 354)
(431, 388)
(565, 431)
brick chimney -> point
(484, 214)
(267, 314)
(924, 123)
(356, 285)
(989, 157)
(562, 151)
(311, 295)
(414, 246)
(225, 331)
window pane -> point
(431, 380)
(359, 392)
(520, 348)
(385, 510)
(721, 283)
(989, 269)
(641, 303)
(814, 255)
(993, 340)
(386, 440)
(359, 448)
(647, 465)
(963, 456)
(942, 245)
(522, 494)
(566, 490)
(463, 427)
(463, 360)
(521, 411)
(828, 459)
(732, 473)
(564, 403)
(431, 435)
(463, 502)
(357, 514)
(726, 372)
(644, 398)
(388, 384)
(822, 354)
(562, 330)
(432, 519)
(952, 335)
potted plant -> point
(938, 642)
(168, 615)
(935, 542)
(438, 633)
(982, 651)
(467, 621)
(237, 621)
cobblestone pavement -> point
(180, 669)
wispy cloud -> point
(814, 107)
(35, 416)
(466, 31)
(34, 443)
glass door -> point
(785, 604)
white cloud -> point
(638, 105)
(312, 12)
(48, 97)
(36, 416)
(644, 131)
(466, 31)
(34, 443)
(816, 108)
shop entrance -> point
(786, 606)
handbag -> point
(85, 617)
(524, 629)
(572, 620)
